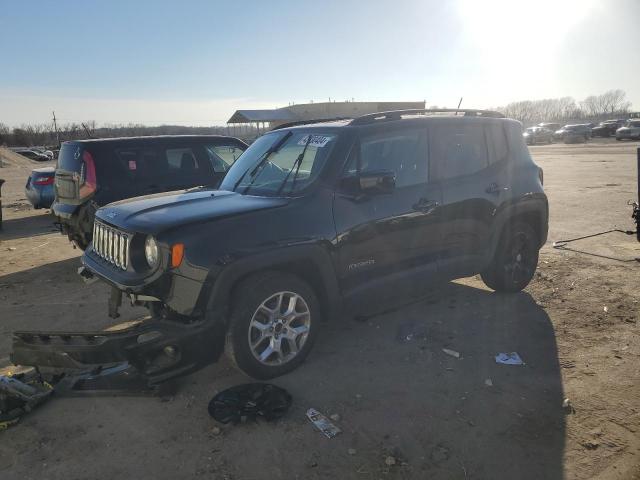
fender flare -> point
(532, 205)
(219, 287)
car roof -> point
(150, 137)
(349, 123)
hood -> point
(163, 211)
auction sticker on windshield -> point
(316, 140)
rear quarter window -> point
(517, 147)
(497, 143)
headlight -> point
(151, 251)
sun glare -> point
(514, 36)
(509, 25)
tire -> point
(515, 259)
(257, 312)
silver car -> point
(630, 131)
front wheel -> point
(515, 260)
(274, 322)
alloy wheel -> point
(279, 328)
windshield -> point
(280, 163)
(633, 123)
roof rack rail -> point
(398, 114)
(309, 122)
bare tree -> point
(609, 103)
(615, 101)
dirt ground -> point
(407, 409)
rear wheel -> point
(274, 322)
(515, 259)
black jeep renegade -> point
(316, 219)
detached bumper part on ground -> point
(159, 350)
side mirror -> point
(373, 182)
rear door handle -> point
(495, 188)
(424, 205)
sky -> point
(195, 62)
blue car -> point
(39, 188)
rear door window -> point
(166, 167)
(457, 150)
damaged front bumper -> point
(159, 350)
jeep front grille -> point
(111, 245)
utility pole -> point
(55, 127)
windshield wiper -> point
(263, 161)
(297, 162)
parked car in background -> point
(35, 155)
(550, 126)
(607, 128)
(533, 135)
(315, 220)
(39, 187)
(630, 131)
(93, 173)
(573, 133)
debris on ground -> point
(452, 353)
(411, 331)
(21, 390)
(335, 417)
(390, 460)
(322, 423)
(567, 407)
(488, 382)
(509, 359)
(249, 401)
(351, 451)
(591, 444)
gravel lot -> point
(407, 409)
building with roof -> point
(262, 120)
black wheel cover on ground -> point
(250, 400)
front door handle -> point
(496, 189)
(424, 205)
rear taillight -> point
(44, 181)
(541, 176)
(87, 175)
